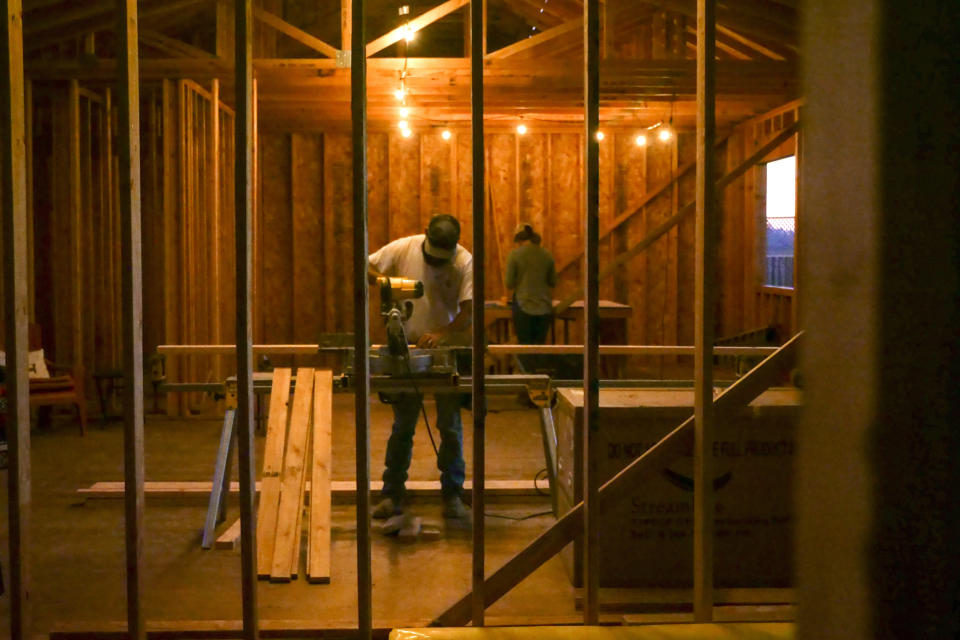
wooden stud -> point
(213, 203)
(478, 329)
(128, 128)
(318, 541)
(13, 191)
(76, 228)
(361, 311)
(591, 315)
(345, 23)
(243, 205)
(704, 297)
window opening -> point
(781, 212)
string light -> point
(404, 112)
(406, 133)
(408, 32)
(665, 133)
(641, 140)
(400, 93)
(521, 128)
(599, 136)
(445, 134)
(403, 124)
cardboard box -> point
(647, 539)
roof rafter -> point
(296, 33)
(533, 41)
(418, 23)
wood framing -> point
(591, 313)
(478, 333)
(361, 313)
(13, 191)
(704, 303)
(529, 43)
(297, 34)
(554, 539)
(421, 21)
(128, 129)
(243, 204)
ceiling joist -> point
(418, 23)
(533, 41)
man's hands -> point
(430, 339)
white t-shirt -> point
(444, 288)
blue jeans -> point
(406, 415)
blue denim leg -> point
(450, 461)
(406, 413)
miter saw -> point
(397, 359)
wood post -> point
(213, 203)
(361, 310)
(243, 203)
(128, 114)
(591, 312)
(13, 191)
(704, 297)
(479, 325)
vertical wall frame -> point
(13, 191)
(591, 316)
(243, 199)
(479, 281)
(361, 313)
(704, 296)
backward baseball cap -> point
(443, 233)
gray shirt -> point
(530, 270)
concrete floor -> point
(77, 546)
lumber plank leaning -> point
(680, 439)
(318, 543)
(272, 465)
(291, 478)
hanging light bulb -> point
(403, 124)
(599, 136)
(406, 133)
(521, 128)
(408, 32)
(665, 133)
(404, 112)
(641, 140)
(445, 134)
(400, 93)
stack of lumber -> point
(297, 445)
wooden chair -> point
(65, 388)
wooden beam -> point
(296, 33)
(291, 478)
(318, 541)
(13, 192)
(171, 46)
(673, 445)
(591, 313)
(533, 41)
(345, 20)
(748, 42)
(418, 23)
(672, 221)
(705, 296)
(361, 313)
(272, 468)
(243, 206)
(128, 143)
(478, 331)
(625, 350)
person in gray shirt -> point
(531, 275)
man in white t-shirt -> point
(439, 318)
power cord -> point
(423, 409)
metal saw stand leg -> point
(217, 509)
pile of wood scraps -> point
(298, 444)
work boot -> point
(454, 509)
(386, 508)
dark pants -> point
(406, 415)
(530, 330)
